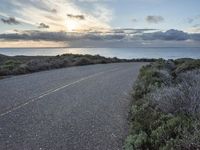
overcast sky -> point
(99, 23)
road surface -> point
(78, 108)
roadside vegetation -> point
(28, 64)
(165, 112)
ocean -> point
(128, 53)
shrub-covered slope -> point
(165, 111)
(27, 64)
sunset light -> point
(99, 74)
(72, 25)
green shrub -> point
(155, 128)
(27, 64)
(137, 141)
(11, 64)
(187, 65)
(151, 77)
(83, 61)
(182, 97)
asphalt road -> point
(78, 108)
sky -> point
(99, 23)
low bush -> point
(183, 97)
(83, 61)
(187, 65)
(10, 64)
(149, 78)
(27, 64)
(165, 108)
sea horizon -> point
(124, 53)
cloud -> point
(194, 30)
(170, 35)
(79, 17)
(195, 37)
(33, 35)
(190, 20)
(114, 38)
(113, 35)
(53, 13)
(193, 19)
(103, 13)
(10, 21)
(43, 25)
(196, 25)
(130, 31)
(154, 19)
(134, 20)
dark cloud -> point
(54, 11)
(43, 25)
(113, 37)
(170, 35)
(154, 19)
(58, 36)
(195, 37)
(34, 35)
(79, 17)
(10, 21)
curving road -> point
(78, 108)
